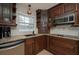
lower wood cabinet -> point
(34, 45)
(39, 44)
(29, 46)
(47, 42)
(63, 46)
(56, 45)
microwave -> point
(70, 18)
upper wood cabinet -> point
(7, 14)
(64, 9)
(56, 11)
(61, 9)
(42, 21)
(0, 14)
(69, 7)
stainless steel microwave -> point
(70, 18)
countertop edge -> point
(24, 38)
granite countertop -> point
(17, 37)
(66, 36)
(20, 37)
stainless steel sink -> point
(30, 35)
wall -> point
(65, 30)
(21, 8)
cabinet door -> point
(61, 9)
(69, 7)
(55, 12)
(61, 46)
(38, 44)
(47, 42)
(51, 43)
(29, 46)
(1, 13)
(6, 8)
(42, 21)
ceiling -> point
(23, 7)
(36, 6)
(42, 5)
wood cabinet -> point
(64, 9)
(42, 21)
(55, 45)
(29, 46)
(61, 9)
(69, 7)
(34, 45)
(55, 12)
(47, 43)
(62, 46)
(0, 14)
(39, 44)
(14, 14)
(7, 12)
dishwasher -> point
(12, 48)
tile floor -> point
(44, 52)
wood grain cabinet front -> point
(69, 7)
(29, 46)
(39, 44)
(34, 45)
(42, 21)
(7, 14)
(55, 45)
(65, 9)
(62, 46)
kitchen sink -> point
(30, 35)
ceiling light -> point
(29, 12)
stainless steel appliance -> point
(12, 48)
(10, 44)
(68, 18)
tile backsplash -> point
(65, 30)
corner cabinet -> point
(42, 21)
(55, 45)
(7, 12)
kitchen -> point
(28, 29)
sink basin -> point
(30, 35)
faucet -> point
(33, 32)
